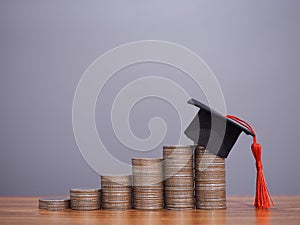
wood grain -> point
(24, 210)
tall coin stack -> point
(210, 180)
(147, 184)
(85, 199)
(116, 192)
(179, 177)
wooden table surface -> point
(24, 210)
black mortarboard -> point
(219, 138)
(218, 134)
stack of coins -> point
(54, 204)
(148, 184)
(116, 192)
(179, 177)
(85, 199)
(210, 180)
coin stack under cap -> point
(148, 184)
(210, 180)
(179, 177)
(116, 192)
(85, 199)
(54, 204)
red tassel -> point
(262, 197)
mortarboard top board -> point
(218, 139)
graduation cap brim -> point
(218, 136)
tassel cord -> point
(262, 197)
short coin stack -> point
(148, 184)
(116, 192)
(210, 180)
(179, 177)
(85, 199)
(54, 204)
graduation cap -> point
(210, 129)
(218, 134)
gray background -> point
(45, 46)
